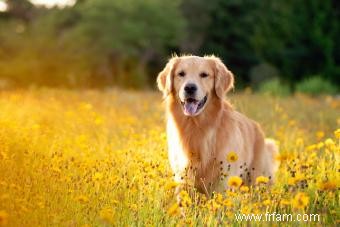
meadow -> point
(99, 158)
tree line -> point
(126, 42)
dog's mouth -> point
(191, 106)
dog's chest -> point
(207, 147)
(193, 148)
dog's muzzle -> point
(192, 106)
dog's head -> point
(194, 81)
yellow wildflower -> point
(284, 202)
(311, 147)
(98, 120)
(82, 199)
(227, 203)
(337, 133)
(3, 155)
(319, 135)
(56, 170)
(230, 215)
(219, 198)
(262, 180)
(107, 215)
(330, 143)
(327, 185)
(266, 202)
(300, 201)
(299, 142)
(284, 157)
(4, 197)
(232, 157)
(97, 176)
(114, 202)
(231, 193)
(133, 207)
(234, 181)
(213, 205)
(320, 145)
(244, 189)
(171, 185)
(173, 210)
(3, 217)
(296, 179)
(41, 204)
(185, 199)
(245, 210)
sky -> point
(47, 3)
(3, 6)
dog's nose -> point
(190, 88)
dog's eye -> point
(203, 75)
(181, 74)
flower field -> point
(99, 158)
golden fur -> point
(198, 145)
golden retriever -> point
(203, 128)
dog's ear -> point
(224, 78)
(165, 77)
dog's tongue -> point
(190, 108)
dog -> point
(203, 127)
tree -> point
(20, 9)
(97, 42)
(300, 39)
(125, 35)
(229, 35)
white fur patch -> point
(178, 159)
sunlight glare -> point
(3, 6)
(51, 3)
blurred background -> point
(277, 46)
